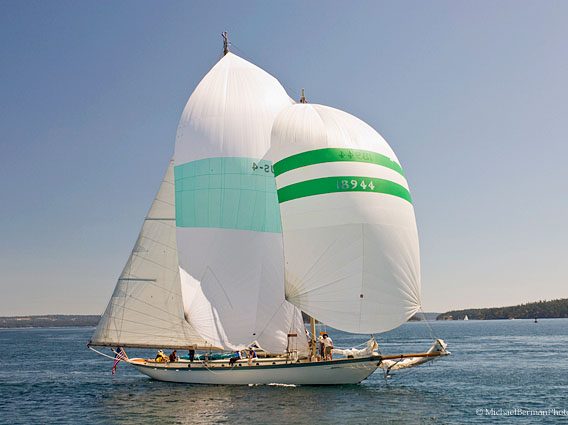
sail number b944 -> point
(355, 184)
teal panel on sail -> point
(227, 193)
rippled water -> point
(49, 376)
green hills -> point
(554, 309)
(49, 321)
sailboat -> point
(268, 209)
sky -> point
(470, 95)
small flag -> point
(116, 362)
(119, 355)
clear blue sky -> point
(471, 95)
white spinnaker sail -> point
(350, 238)
(228, 223)
(146, 308)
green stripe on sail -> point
(320, 156)
(342, 184)
(227, 193)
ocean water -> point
(502, 372)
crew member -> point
(173, 356)
(328, 347)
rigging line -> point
(301, 294)
(257, 300)
(140, 250)
(101, 353)
(218, 283)
(151, 282)
(134, 321)
(164, 200)
(181, 319)
(154, 241)
(145, 324)
(355, 346)
(136, 254)
(152, 305)
(206, 367)
(312, 267)
(119, 354)
(272, 317)
(361, 293)
(430, 329)
(136, 333)
(145, 314)
(118, 342)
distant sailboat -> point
(269, 208)
(465, 317)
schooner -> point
(269, 208)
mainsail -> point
(350, 238)
(146, 308)
(228, 224)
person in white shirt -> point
(328, 346)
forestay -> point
(228, 224)
(146, 308)
(350, 237)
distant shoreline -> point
(77, 326)
(91, 320)
(554, 309)
(50, 321)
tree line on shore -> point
(49, 321)
(554, 309)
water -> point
(49, 376)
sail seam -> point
(147, 325)
(145, 314)
(228, 193)
(156, 241)
(153, 282)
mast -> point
(313, 347)
(313, 334)
(225, 36)
(303, 97)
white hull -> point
(336, 372)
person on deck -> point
(321, 348)
(161, 357)
(251, 355)
(173, 356)
(191, 355)
(235, 358)
(328, 347)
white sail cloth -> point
(438, 347)
(146, 308)
(356, 353)
(350, 238)
(228, 224)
